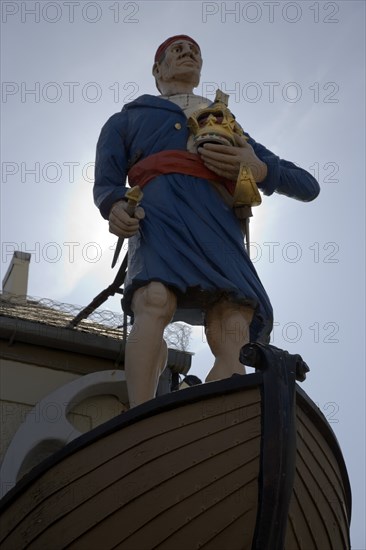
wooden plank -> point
(317, 515)
(319, 477)
(300, 521)
(160, 510)
(223, 411)
(136, 484)
(59, 491)
(236, 536)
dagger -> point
(134, 197)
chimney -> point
(15, 282)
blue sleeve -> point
(111, 164)
(285, 177)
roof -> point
(44, 322)
(58, 314)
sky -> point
(295, 72)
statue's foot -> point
(222, 370)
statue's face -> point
(182, 62)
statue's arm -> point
(285, 177)
(111, 164)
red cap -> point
(161, 49)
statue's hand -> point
(225, 160)
(121, 223)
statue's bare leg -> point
(153, 306)
(227, 331)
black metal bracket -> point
(280, 371)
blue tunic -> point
(190, 240)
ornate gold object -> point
(134, 197)
(213, 124)
(246, 191)
(216, 124)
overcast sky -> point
(295, 72)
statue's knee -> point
(155, 297)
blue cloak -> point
(190, 240)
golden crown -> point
(214, 124)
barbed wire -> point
(101, 321)
(59, 314)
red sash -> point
(173, 162)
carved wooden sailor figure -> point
(187, 258)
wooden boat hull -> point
(187, 471)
